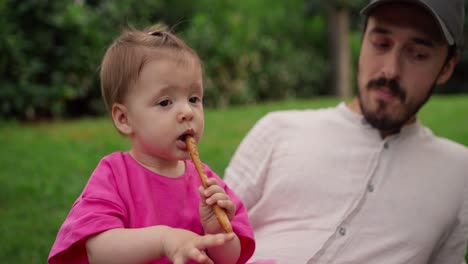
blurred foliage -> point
(353, 5)
(51, 51)
(253, 50)
(253, 53)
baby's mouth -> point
(181, 139)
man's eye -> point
(164, 103)
(381, 44)
(418, 55)
(379, 41)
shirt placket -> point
(344, 230)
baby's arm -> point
(229, 252)
(141, 245)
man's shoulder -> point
(299, 116)
(446, 148)
(452, 146)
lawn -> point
(45, 165)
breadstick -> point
(219, 212)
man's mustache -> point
(392, 84)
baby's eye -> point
(194, 99)
(164, 102)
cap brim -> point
(448, 36)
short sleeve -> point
(97, 209)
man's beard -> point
(390, 122)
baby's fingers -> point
(213, 189)
(212, 182)
(195, 255)
(227, 205)
(209, 241)
(216, 198)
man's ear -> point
(120, 118)
(447, 71)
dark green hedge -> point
(252, 50)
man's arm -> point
(246, 171)
(453, 249)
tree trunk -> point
(340, 53)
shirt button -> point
(385, 145)
(342, 231)
(370, 188)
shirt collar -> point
(359, 120)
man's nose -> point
(392, 65)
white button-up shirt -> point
(322, 186)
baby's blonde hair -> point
(126, 56)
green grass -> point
(45, 166)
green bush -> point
(49, 57)
(252, 53)
(51, 51)
(252, 50)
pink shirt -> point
(123, 194)
(322, 186)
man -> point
(365, 182)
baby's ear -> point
(120, 118)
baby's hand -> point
(181, 245)
(214, 194)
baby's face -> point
(164, 105)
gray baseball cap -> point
(449, 14)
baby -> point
(147, 205)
